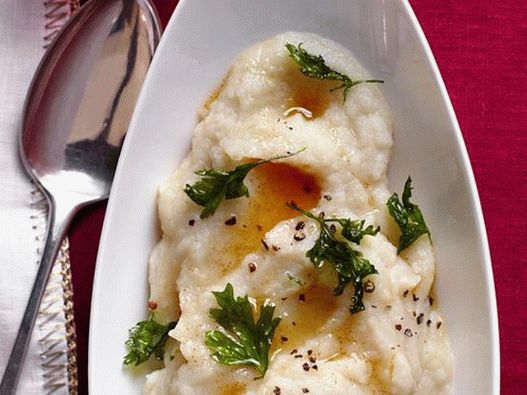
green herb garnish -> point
(147, 338)
(244, 342)
(313, 66)
(408, 216)
(217, 185)
(354, 231)
(350, 265)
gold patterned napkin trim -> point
(56, 14)
(71, 337)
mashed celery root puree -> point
(266, 107)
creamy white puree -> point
(380, 350)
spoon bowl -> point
(83, 95)
(76, 116)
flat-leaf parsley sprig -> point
(147, 338)
(244, 341)
(313, 66)
(350, 265)
(216, 185)
(408, 216)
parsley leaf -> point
(147, 338)
(354, 231)
(217, 185)
(315, 67)
(350, 265)
(244, 342)
(408, 216)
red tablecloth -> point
(480, 46)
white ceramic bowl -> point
(198, 47)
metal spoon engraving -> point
(75, 119)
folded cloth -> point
(26, 28)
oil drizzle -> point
(306, 315)
(310, 94)
(205, 108)
(271, 186)
(235, 388)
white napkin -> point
(25, 28)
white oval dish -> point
(196, 50)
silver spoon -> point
(76, 115)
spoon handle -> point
(58, 220)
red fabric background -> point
(480, 48)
